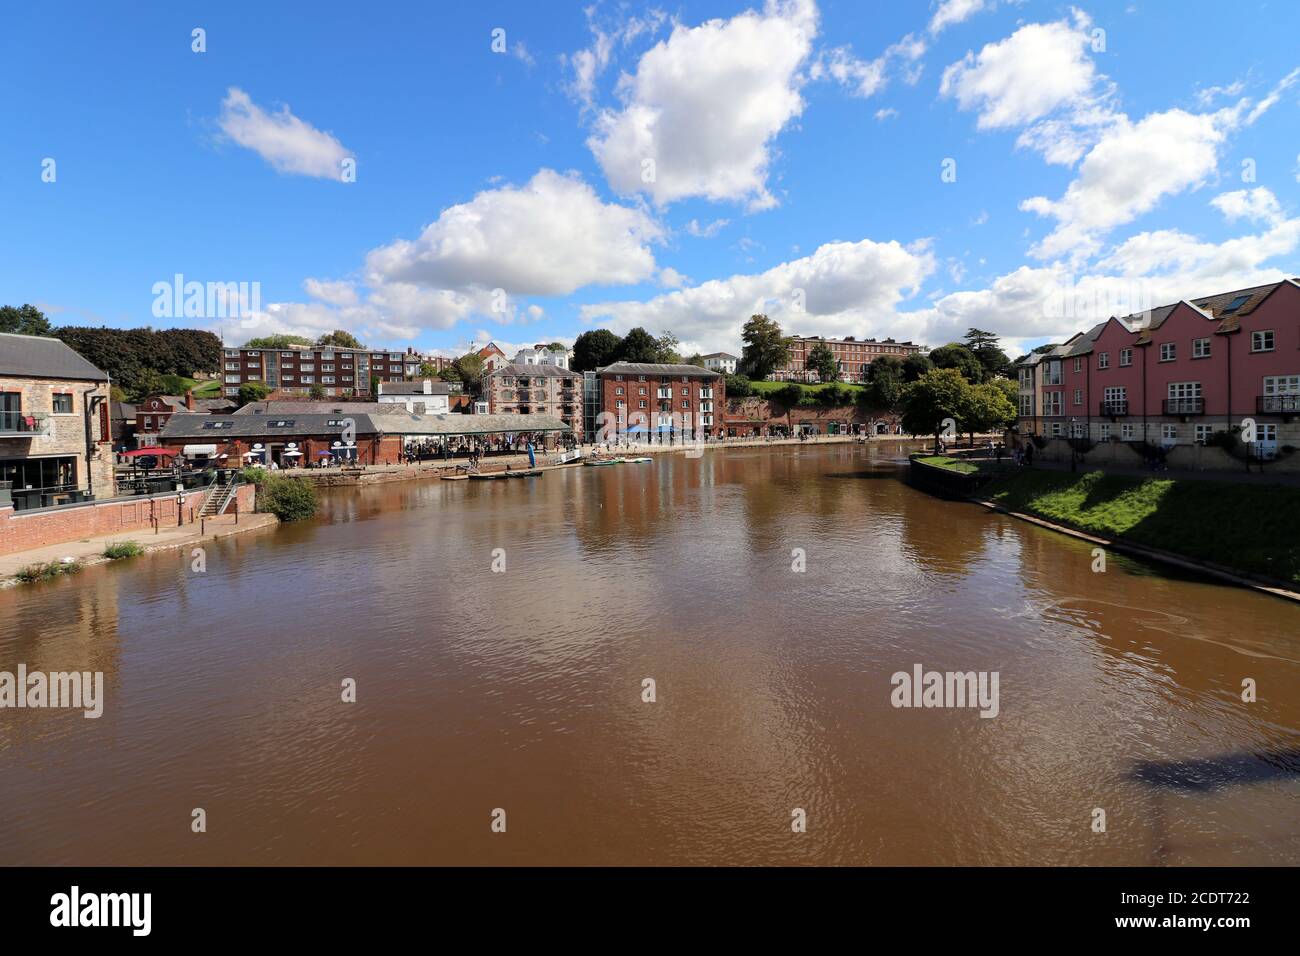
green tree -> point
(340, 339)
(24, 320)
(984, 346)
(834, 395)
(278, 341)
(914, 366)
(696, 359)
(470, 367)
(766, 347)
(146, 383)
(253, 392)
(595, 349)
(737, 386)
(885, 380)
(989, 409)
(667, 349)
(428, 370)
(822, 361)
(289, 499)
(940, 394)
(558, 347)
(638, 346)
(789, 395)
(316, 392)
(955, 355)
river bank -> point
(90, 551)
(1248, 534)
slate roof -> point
(653, 368)
(286, 407)
(413, 388)
(256, 426)
(39, 356)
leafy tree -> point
(789, 395)
(470, 366)
(833, 395)
(24, 320)
(316, 392)
(955, 355)
(146, 383)
(737, 386)
(278, 341)
(938, 394)
(667, 349)
(989, 409)
(340, 340)
(289, 499)
(914, 366)
(595, 349)
(449, 374)
(253, 392)
(696, 359)
(558, 347)
(822, 361)
(885, 381)
(766, 347)
(638, 346)
(428, 370)
(984, 346)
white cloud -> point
(864, 78)
(951, 12)
(586, 65)
(670, 278)
(548, 237)
(699, 114)
(1127, 173)
(288, 143)
(706, 232)
(839, 289)
(1032, 73)
(1256, 205)
(338, 293)
(887, 113)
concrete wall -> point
(22, 530)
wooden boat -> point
(494, 476)
(454, 477)
(603, 461)
(528, 473)
(636, 461)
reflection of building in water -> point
(78, 631)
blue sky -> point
(797, 148)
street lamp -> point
(1074, 459)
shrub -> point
(289, 499)
(46, 571)
(790, 395)
(738, 386)
(254, 474)
(123, 549)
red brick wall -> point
(631, 398)
(22, 530)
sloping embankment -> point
(1247, 529)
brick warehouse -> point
(276, 437)
(662, 400)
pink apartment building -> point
(1176, 374)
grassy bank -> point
(951, 464)
(1251, 528)
(768, 389)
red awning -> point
(140, 452)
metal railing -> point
(1184, 406)
(24, 423)
(1278, 404)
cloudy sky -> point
(525, 171)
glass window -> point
(62, 403)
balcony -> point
(24, 424)
(1278, 404)
(665, 393)
(1184, 406)
(1115, 408)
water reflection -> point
(522, 688)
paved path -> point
(91, 550)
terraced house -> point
(1176, 374)
(55, 435)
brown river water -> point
(522, 689)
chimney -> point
(189, 399)
(428, 386)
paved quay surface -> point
(91, 550)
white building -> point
(723, 362)
(434, 397)
(542, 355)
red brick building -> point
(289, 440)
(852, 356)
(661, 402)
